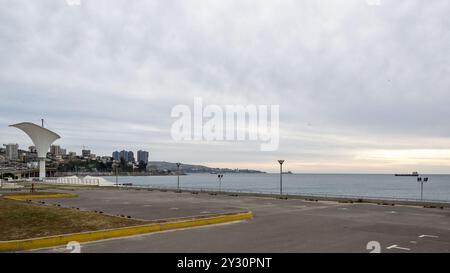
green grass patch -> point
(40, 195)
(22, 193)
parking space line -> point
(397, 247)
(428, 236)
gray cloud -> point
(350, 78)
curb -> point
(44, 242)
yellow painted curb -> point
(42, 196)
(51, 241)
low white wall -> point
(73, 180)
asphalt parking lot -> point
(278, 225)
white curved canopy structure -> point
(42, 139)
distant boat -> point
(408, 174)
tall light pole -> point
(421, 181)
(220, 176)
(281, 175)
(115, 165)
(178, 176)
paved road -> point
(278, 226)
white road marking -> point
(59, 249)
(147, 205)
(374, 246)
(174, 208)
(392, 212)
(343, 208)
(205, 211)
(429, 236)
(397, 247)
(413, 242)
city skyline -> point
(60, 150)
(361, 88)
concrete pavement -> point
(278, 226)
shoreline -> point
(308, 197)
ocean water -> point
(357, 185)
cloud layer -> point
(361, 88)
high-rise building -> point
(123, 155)
(63, 152)
(55, 150)
(128, 156)
(85, 153)
(142, 156)
(131, 157)
(11, 151)
(116, 156)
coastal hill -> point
(188, 168)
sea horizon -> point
(357, 185)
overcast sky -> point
(361, 88)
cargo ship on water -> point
(407, 174)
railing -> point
(287, 194)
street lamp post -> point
(220, 176)
(281, 176)
(421, 181)
(178, 176)
(117, 174)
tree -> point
(142, 167)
